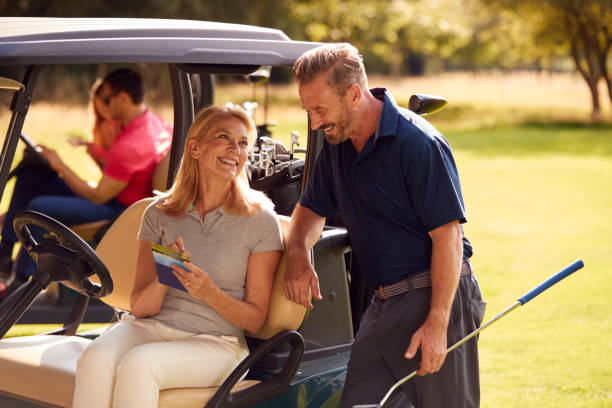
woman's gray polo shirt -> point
(220, 245)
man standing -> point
(143, 141)
(393, 178)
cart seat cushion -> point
(118, 249)
(283, 314)
(160, 175)
(88, 230)
(41, 368)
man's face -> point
(328, 111)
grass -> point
(536, 180)
(30, 329)
(529, 217)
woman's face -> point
(222, 151)
(101, 108)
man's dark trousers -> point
(377, 357)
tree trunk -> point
(606, 77)
(583, 54)
(606, 29)
(591, 80)
(596, 113)
(604, 68)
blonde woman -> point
(104, 131)
(195, 337)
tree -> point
(362, 23)
(391, 34)
(589, 33)
(579, 29)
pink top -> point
(132, 157)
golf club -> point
(565, 272)
(295, 140)
(268, 144)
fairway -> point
(537, 186)
(528, 218)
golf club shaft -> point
(565, 272)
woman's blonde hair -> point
(95, 92)
(242, 200)
(98, 119)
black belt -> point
(415, 281)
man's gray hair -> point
(341, 62)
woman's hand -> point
(78, 141)
(196, 281)
(54, 160)
(179, 245)
(249, 313)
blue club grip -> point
(562, 274)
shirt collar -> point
(138, 120)
(220, 210)
(387, 125)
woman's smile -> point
(231, 162)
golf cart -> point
(297, 359)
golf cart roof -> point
(37, 40)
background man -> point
(143, 141)
(393, 178)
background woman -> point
(104, 131)
(105, 128)
(192, 338)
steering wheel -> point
(62, 256)
(32, 156)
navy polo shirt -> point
(402, 184)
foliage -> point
(396, 36)
(580, 29)
(403, 36)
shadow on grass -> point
(534, 137)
